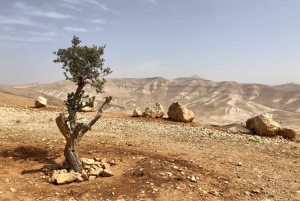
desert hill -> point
(226, 100)
(24, 96)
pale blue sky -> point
(248, 41)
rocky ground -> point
(156, 159)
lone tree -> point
(83, 65)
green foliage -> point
(74, 104)
(83, 65)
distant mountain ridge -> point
(228, 100)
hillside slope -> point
(227, 100)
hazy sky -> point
(248, 41)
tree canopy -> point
(83, 65)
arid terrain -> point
(157, 159)
(222, 102)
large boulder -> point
(137, 112)
(156, 111)
(288, 133)
(263, 125)
(179, 112)
(40, 102)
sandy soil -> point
(155, 160)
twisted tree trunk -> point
(74, 136)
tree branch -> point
(79, 128)
(63, 126)
(96, 118)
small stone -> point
(79, 178)
(255, 191)
(97, 158)
(84, 175)
(192, 179)
(1, 192)
(214, 192)
(97, 165)
(12, 190)
(107, 173)
(87, 167)
(65, 178)
(54, 176)
(87, 161)
(132, 181)
(105, 165)
(112, 163)
(239, 164)
(96, 172)
(202, 192)
(170, 174)
(247, 193)
(91, 178)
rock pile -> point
(40, 102)
(92, 168)
(156, 111)
(179, 112)
(265, 125)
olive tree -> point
(84, 66)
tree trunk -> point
(70, 152)
(71, 155)
(74, 135)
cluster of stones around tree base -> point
(92, 168)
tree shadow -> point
(30, 153)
